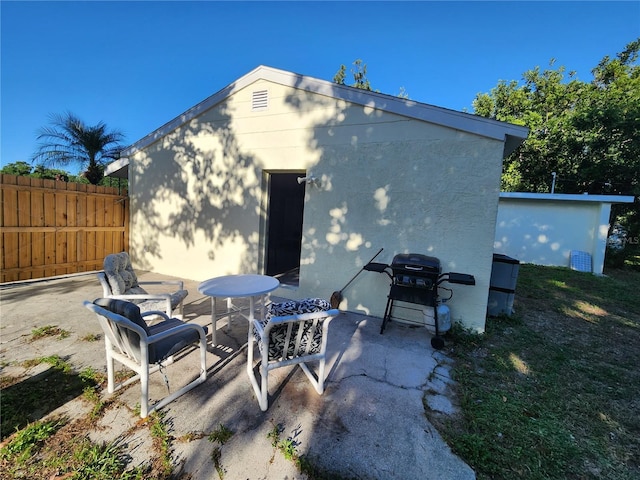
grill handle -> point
(413, 267)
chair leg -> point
(318, 383)
(264, 400)
(261, 390)
(250, 372)
(203, 359)
(144, 385)
(111, 383)
(321, 376)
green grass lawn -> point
(553, 392)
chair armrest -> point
(165, 297)
(259, 328)
(106, 288)
(143, 296)
(304, 316)
(156, 312)
(326, 315)
(179, 283)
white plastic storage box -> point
(502, 287)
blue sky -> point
(137, 65)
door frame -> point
(264, 213)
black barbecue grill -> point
(415, 279)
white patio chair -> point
(119, 280)
(145, 349)
(292, 333)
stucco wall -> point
(544, 228)
(198, 196)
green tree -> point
(360, 80)
(18, 168)
(588, 133)
(68, 139)
(24, 169)
(607, 123)
(359, 72)
(609, 127)
(340, 75)
(544, 103)
(40, 171)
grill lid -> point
(415, 262)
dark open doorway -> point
(284, 228)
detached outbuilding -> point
(305, 179)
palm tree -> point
(69, 139)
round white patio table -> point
(237, 286)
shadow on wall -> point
(545, 232)
(229, 185)
(540, 242)
(341, 230)
(175, 205)
(357, 155)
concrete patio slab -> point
(369, 423)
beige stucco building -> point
(215, 191)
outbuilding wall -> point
(543, 229)
(198, 195)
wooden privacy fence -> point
(50, 228)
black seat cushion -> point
(160, 350)
(131, 312)
(126, 309)
(173, 344)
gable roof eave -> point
(512, 135)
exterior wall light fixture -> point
(310, 180)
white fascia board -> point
(118, 168)
(466, 122)
(569, 197)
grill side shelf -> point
(376, 267)
(459, 278)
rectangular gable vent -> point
(259, 100)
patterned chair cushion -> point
(123, 281)
(278, 334)
(120, 275)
